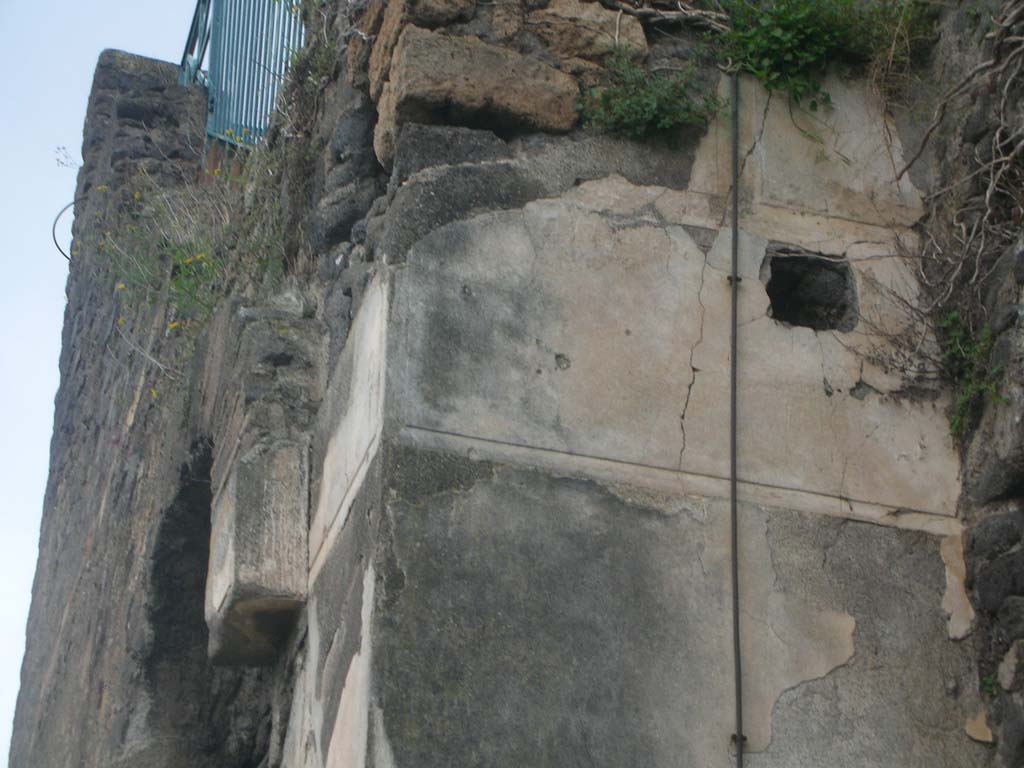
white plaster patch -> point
(349, 736)
(1007, 672)
(302, 743)
(787, 641)
(978, 729)
(955, 601)
(383, 757)
(220, 575)
(356, 438)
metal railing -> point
(248, 46)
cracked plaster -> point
(642, 314)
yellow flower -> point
(172, 325)
(138, 195)
(121, 286)
(188, 260)
(152, 393)
(120, 320)
(216, 171)
(102, 188)
(201, 255)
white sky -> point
(51, 51)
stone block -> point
(360, 47)
(1002, 578)
(431, 146)
(463, 81)
(256, 582)
(587, 30)
(396, 15)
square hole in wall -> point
(810, 289)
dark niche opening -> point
(204, 716)
(811, 290)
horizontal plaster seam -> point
(945, 525)
(892, 227)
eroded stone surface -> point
(588, 30)
(465, 81)
(115, 669)
(257, 575)
(395, 16)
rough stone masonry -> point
(459, 496)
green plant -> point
(789, 44)
(989, 685)
(195, 279)
(965, 359)
(642, 104)
(973, 16)
(177, 244)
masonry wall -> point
(115, 671)
(459, 495)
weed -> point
(989, 685)
(187, 241)
(973, 16)
(789, 44)
(965, 360)
(644, 105)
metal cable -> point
(734, 281)
(56, 220)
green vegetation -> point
(644, 105)
(789, 44)
(187, 241)
(173, 247)
(965, 359)
(989, 685)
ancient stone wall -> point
(460, 494)
(115, 670)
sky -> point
(52, 48)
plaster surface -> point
(541, 620)
(596, 325)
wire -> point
(734, 281)
(56, 220)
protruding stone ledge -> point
(257, 575)
(274, 382)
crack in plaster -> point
(693, 350)
(746, 157)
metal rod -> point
(733, 377)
